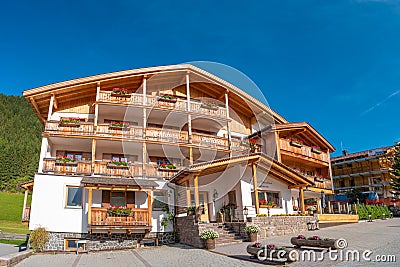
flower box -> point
(296, 143)
(272, 253)
(209, 106)
(319, 180)
(118, 165)
(60, 162)
(316, 150)
(167, 98)
(120, 95)
(321, 243)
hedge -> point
(375, 211)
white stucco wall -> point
(48, 205)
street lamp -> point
(245, 212)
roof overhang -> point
(28, 185)
(128, 184)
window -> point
(341, 183)
(74, 196)
(70, 244)
(160, 199)
(265, 196)
(352, 182)
(118, 199)
(120, 158)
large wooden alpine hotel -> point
(121, 149)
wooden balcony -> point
(302, 152)
(108, 169)
(131, 132)
(152, 170)
(199, 108)
(82, 128)
(137, 217)
(211, 141)
(82, 167)
(239, 146)
(166, 135)
(155, 102)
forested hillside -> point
(20, 137)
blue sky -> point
(335, 64)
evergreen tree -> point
(395, 183)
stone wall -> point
(188, 231)
(281, 225)
(104, 241)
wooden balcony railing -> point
(79, 167)
(210, 141)
(239, 146)
(108, 96)
(303, 151)
(109, 169)
(327, 184)
(166, 135)
(153, 101)
(55, 127)
(27, 214)
(137, 217)
(198, 107)
(152, 170)
(109, 131)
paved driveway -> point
(6, 249)
(381, 237)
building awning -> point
(119, 183)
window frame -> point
(265, 192)
(66, 197)
(68, 248)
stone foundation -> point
(104, 241)
(189, 231)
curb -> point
(13, 259)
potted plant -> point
(167, 166)
(66, 160)
(120, 92)
(120, 125)
(190, 210)
(296, 142)
(252, 231)
(209, 237)
(118, 211)
(270, 252)
(167, 98)
(311, 209)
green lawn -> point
(11, 212)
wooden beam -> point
(255, 184)
(37, 110)
(93, 154)
(301, 196)
(297, 186)
(150, 206)
(25, 200)
(55, 103)
(90, 201)
(196, 191)
(188, 200)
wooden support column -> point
(93, 154)
(144, 159)
(96, 106)
(25, 201)
(301, 195)
(255, 185)
(191, 155)
(339, 208)
(188, 200)
(329, 207)
(188, 107)
(347, 208)
(90, 201)
(50, 107)
(227, 122)
(150, 206)
(355, 209)
(196, 191)
(144, 90)
(144, 146)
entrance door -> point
(203, 203)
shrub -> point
(375, 211)
(209, 234)
(252, 229)
(39, 238)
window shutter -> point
(105, 198)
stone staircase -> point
(226, 234)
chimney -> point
(345, 152)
